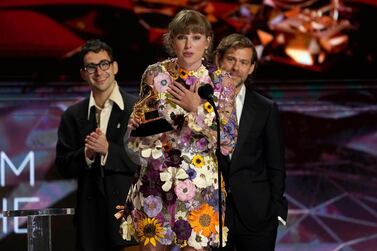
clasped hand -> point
(96, 142)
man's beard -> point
(239, 84)
(241, 80)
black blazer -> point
(98, 192)
(255, 175)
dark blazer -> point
(255, 175)
(98, 191)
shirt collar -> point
(241, 93)
(115, 97)
(240, 100)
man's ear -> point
(83, 74)
(252, 69)
(115, 67)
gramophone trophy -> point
(147, 110)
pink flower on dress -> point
(185, 136)
(206, 79)
(191, 80)
(161, 82)
(185, 190)
(202, 144)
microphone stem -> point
(218, 151)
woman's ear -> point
(209, 39)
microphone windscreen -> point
(205, 91)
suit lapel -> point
(87, 125)
(114, 123)
(117, 121)
(246, 125)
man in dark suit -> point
(254, 174)
(90, 148)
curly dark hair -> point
(95, 45)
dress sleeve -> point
(228, 118)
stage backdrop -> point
(317, 60)
(331, 157)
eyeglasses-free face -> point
(104, 65)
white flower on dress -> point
(210, 162)
(184, 165)
(180, 215)
(155, 152)
(197, 241)
(136, 197)
(203, 178)
(225, 235)
(133, 144)
(193, 122)
(127, 228)
(207, 117)
(170, 175)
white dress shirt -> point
(104, 113)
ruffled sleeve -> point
(227, 112)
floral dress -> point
(174, 198)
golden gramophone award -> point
(147, 110)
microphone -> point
(206, 92)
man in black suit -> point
(254, 174)
(90, 148)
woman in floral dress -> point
(174, 199)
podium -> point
(39, 225)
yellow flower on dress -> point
(197, 160)
(202, 71)
(208, 107)
(150, 231)
(175, 75)
(224, 121)
(183, 74)
(204, 220)
(218, 71)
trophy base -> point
(151, 128)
